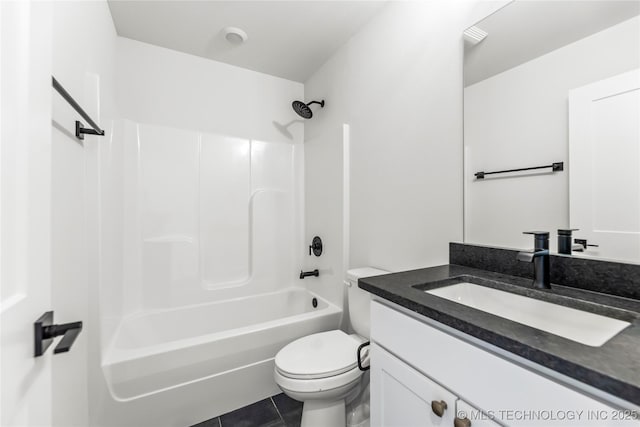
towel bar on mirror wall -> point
(555, 167)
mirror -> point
(550, 82)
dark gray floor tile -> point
(213, 422)
(259, 414)
(286, 404)
(292, 419)
(290, 409)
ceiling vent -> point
(474, 35)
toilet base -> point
(319, 413)
(325, 408)
(357, 408)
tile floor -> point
(276, 411)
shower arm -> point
(316, 102)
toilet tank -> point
(359, 300)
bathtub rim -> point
(105, 365)
(107, 356)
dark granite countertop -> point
(613, 368)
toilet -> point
(321, 370)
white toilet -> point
(321, 370)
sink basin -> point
(577, 325)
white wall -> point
(83, 62)
(398, 84)
(519, 118)
(326, 206)
(169, 88)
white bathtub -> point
(212, 349)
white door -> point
(604, 165)
(25, 157)
(403, 397)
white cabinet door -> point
(402, 396)
(604, 154)
(25, 174)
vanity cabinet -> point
(414, 362)
(405, 397)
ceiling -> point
(289, 39)
(524, 30)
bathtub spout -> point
(304, 274)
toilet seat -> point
(343, 380)
(316, 356)
(318, 362)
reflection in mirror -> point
(555, 81)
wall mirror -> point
(554, 82)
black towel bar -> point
(80, 129)
(555, 167)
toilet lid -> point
(320, 355)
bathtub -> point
(220, 353)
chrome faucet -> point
(540, 259)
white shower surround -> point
(192, 217)
(209, 290)
(213, 215)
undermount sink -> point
(577, 325)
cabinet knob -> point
(461, 422)
(438, 408)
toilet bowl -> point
(321, 370)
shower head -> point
(303, 109)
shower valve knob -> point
(316, 246)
